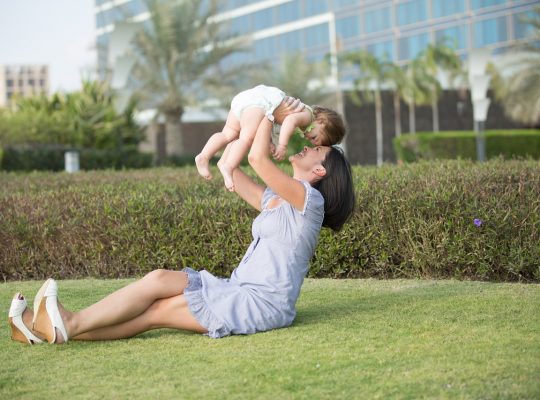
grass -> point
(404, 339)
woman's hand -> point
(288, 106)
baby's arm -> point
(290, 123)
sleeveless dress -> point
(262, 291)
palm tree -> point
(439, 57)
(520, 92)
(177, 59)
(417, 89)
(296, 77)
(373, 73)
(398, 78)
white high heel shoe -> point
(19, 331)
(47, 317)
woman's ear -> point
(319, 170)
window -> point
(409, 47)
(345, 3)
(382, 50)
(476, 4)
(314, 7)
(263, 19)
(377, 20)
(9, 83)
(240, 25)
(42, 82)
(348, 27)
(316, 35)
(522, 29)
(265, 48)
(490, 31)
(289, 42)
(443, 8)
(31, 82)
(288, 12)
(101, 20)
(411, 12)
(455, 37)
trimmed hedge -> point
(462, 144)
(51, 158)
(413, 220)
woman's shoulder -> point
(314, 200)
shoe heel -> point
(43, 323)
(16, 333)
(38, 300)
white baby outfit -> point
(266, 97)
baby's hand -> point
(280, 152)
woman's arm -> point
(247, 189)
(283, 185)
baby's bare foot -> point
(227, 176)
(202, 166)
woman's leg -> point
(216, 142)
(127, 303)
(172, 312)
(250, 121)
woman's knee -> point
(165, 282)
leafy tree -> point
(86, 118)
(373, 73)
(177, 59)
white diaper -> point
(266, 97)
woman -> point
(262, 291)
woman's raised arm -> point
(283, 185)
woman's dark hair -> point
(337, 189)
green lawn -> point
(352, 339)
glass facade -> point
(397, 30)
(411, 12)
(377, 20)
(444, 8)
(490, 31)
(455, 36)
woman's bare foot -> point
(202, 166)
(227, 176)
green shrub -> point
(453, 145)
(51, 158)
(414, 220)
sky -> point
(57, 33)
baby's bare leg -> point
(250, 121)
(216, 142)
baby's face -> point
(315, 136)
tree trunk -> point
(412, 118)
(397, 113)
(435, 112)
(173, 135)
(378, 120)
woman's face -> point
(309, 158)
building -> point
(22, 80)
(397, 30)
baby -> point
(321, 126)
